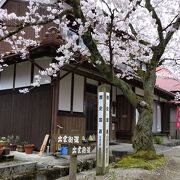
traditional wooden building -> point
(167, 80)
(69, 101)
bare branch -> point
(171, 23)
(176, 26)
(133, 9)
(150, 8)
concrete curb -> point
(10, 171)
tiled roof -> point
(167, 80)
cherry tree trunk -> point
(143, 139)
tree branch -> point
(23, 26)
(103, 67)
(171, 23)
(150, 8)
(110, 31)
(176, 26)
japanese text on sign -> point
(77, 150)
(100, 125)
(64, 139)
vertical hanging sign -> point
(178, 118)
(100, 129)
(102, 153)
(107, 130)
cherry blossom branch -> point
(98, 60)
(23, 26)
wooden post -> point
(73, 167)
(55, 97)
(102, 151)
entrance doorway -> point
(125, 112)
(91, 110)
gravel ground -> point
(170, 172)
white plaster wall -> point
(163, 100)
(23, 74)
(65, 92)
(6, 78)
(44, 63)
(137, 115)
(156, 118)
(139, 91)
(155, 97)
(78, 96)
(92, 81)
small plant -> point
(3, 138)
(3, 142)
(158, 139)
(17, 139)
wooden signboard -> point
(178, 118)
(79, 150)
(69, 139)
(43, 146)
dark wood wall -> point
(165, 117)
(74, 125)
(26, 115)
(125, 118)
(91, 113)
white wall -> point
(6, 78)
(139, 91)
(92, 81)
(65, 92)
(163, 100)
(23, 74)
(137, 115)
(44, 63)
(78, 95)
(156, 118)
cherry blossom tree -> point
(123, 39)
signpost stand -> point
(75, 147)
(73, 167)
(102, 151)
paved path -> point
(132, 174)
(170, 172)
(64, 160)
